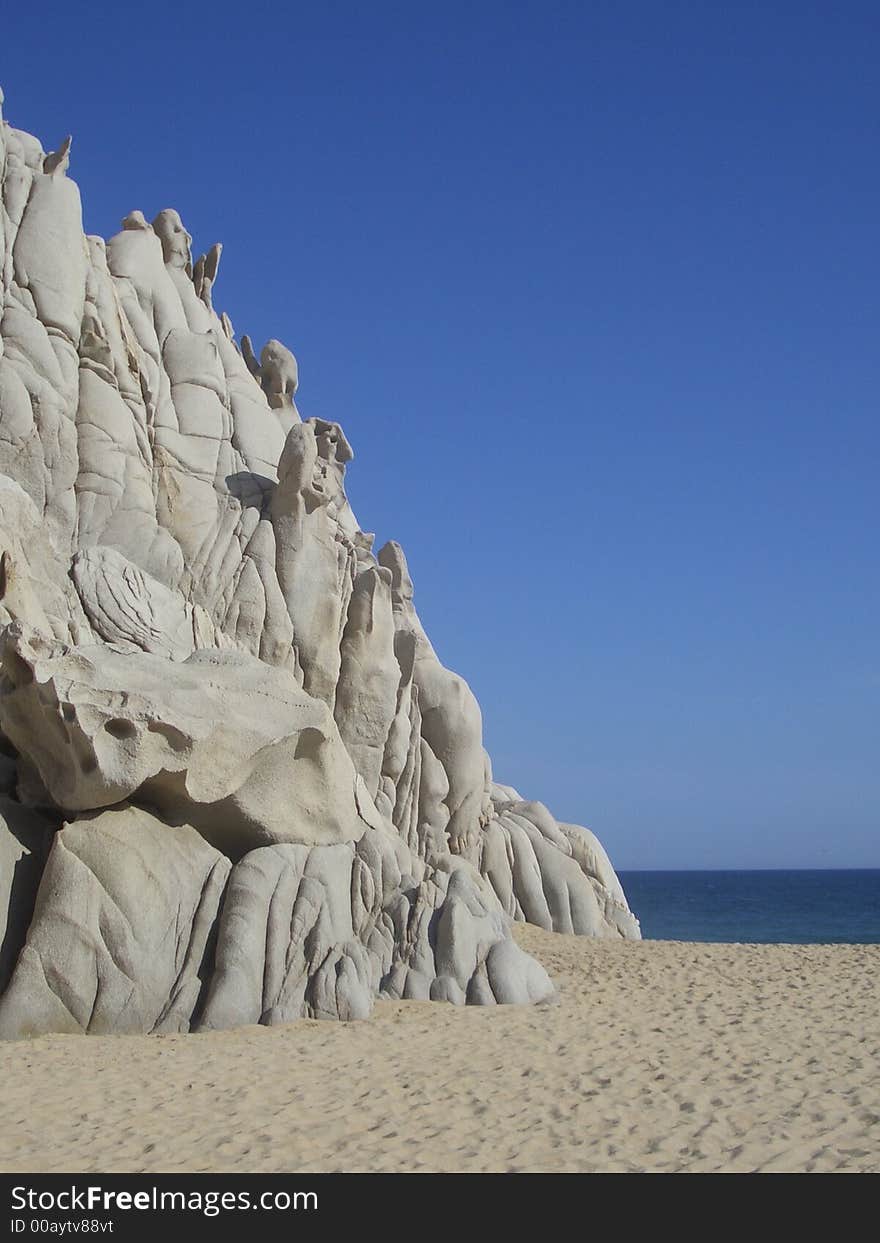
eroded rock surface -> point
(124, 915)
(220, 740)
(215, 684)
(25, 838)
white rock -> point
(123, 916)
(219, 740)
(192, 618)
(25, 837)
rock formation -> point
(237, 784)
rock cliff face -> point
(237, 783)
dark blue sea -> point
(798, 907)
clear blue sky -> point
(593, 289)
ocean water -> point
(800, 907)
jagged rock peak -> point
(219, 711)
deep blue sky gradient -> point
(593, 289)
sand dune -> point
(659, 1056)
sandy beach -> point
(659, 1056)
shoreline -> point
(659, 1055)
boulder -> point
(121, 932)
